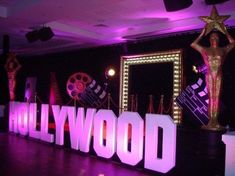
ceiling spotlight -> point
(45, 33)
(175, 5)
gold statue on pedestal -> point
(213, 57)
(12, 66)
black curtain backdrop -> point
(94, 61)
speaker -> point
(45, 33)
(211, 2)
(174, 5)
(32, 36)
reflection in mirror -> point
(145, 78)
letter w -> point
(80, 128)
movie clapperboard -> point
(194, 100)
(94, 95)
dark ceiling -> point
(83, 24)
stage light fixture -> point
(194, 69)
(212, 2)
(32, 36)
(45, 33)
(175, 5)
(110, 72)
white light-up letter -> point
(229, 140)
(33, 121)
(60, 118)
(22, 114)
(135, 155)
(13, 117)
(45, 136)
(80, 128)
(167, 162)
(74, 126)
(108, 149)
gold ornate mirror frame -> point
(174, 57)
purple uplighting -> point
(117, 88)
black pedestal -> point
(200, 152)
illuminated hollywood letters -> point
(135, 155)
(108, 149)
(123, 135)
(23, 120)
(80, 128)
(167, 161)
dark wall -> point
(4, 94)
(94, 62)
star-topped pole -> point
(214, 21)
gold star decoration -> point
(214, 21)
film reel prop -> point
(84, 89)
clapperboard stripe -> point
(194, 99)
(94, 95)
